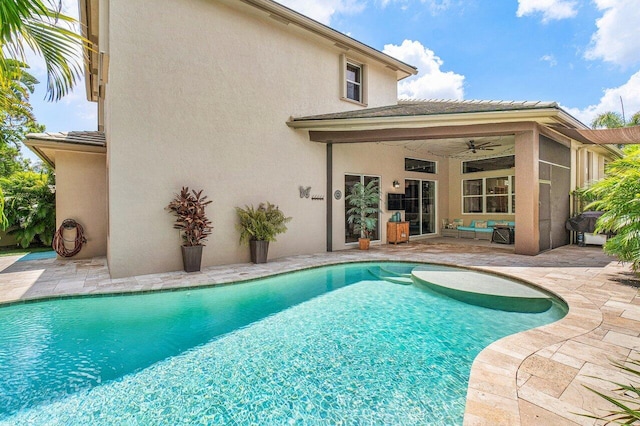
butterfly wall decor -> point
(305, 192)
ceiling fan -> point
(482, 146)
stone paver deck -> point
(536, 377)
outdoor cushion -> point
(485, 226)
(484, 230)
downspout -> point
(329, 197)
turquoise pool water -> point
(325, 346)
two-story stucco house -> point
(250, 101)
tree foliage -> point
(614, 120)
(29, 207)
(16, 119)
(4, 223)
(38, 26)
(618, 196)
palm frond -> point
(31, 25)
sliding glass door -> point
(350, 236)
(420, 206)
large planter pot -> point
(259, 251)
(191, 258)
(364, 243)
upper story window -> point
(354, 80)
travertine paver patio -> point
(533, 378)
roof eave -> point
(545, 115)
(39, 146)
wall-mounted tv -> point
(395, 201)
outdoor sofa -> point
(482, 229)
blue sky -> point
(583, 54)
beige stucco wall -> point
(81, 194)
(385, 160)
(205, 105)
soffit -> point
(89, 29)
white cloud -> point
(610, 101)
(617, 39)
(550, 59)
(550, 9)
(431, 82)
(437, 6)
(323, 10)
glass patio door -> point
(420, 206)
(350, 236)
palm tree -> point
(614, 120)
(15, 90)
(32, 25)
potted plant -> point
(259, 226)
(191, 220)
(363, 214)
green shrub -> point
(262, 223)
(30, 207)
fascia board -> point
(63, 146)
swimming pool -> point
(323, 346)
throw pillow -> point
(481, 224)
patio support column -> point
(527, 193)
(329, 197)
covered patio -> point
(486, 153)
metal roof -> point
(410, 108)
(89, 138)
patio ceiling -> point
(459, 147)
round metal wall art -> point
(338, 194)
